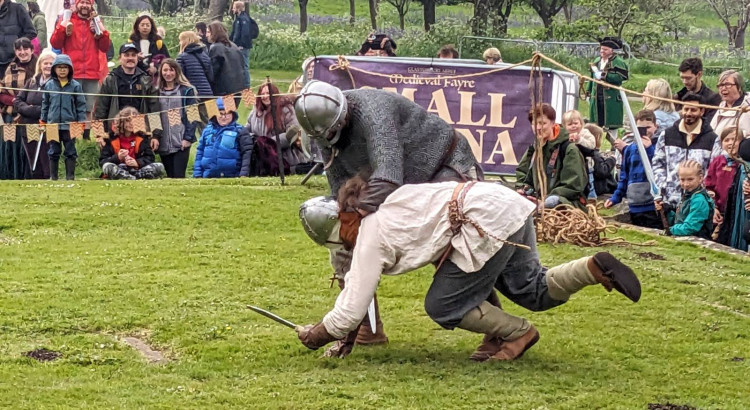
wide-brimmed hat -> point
(611, 42)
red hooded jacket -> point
(84, 50)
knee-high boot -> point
(490, 344)
(54, 168)
(366, 336)
(70, 169)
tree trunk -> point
(568, 10)
(479, 21)
(216, 10)
(498, 17)
(547, 21)
(302, 16)
(373, 13)
(351, 12)
(102, 7)
(739, 38)
(429, 14)
(732, 35)
(401, 13)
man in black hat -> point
(129, 83)
(605, 104)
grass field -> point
(84, 264)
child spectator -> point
(693, 216)
(721, 171)
(62, 109)
(735, 229)
(175, 139)
(585, 141)
(224, 148)
(128, 154)
(633, 182)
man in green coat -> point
(565, 168)
(605, 104)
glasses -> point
(725, 85)
(225, 113)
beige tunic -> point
(411, 229)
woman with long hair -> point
(665, 112)
(195, 64)
(226, 61)
(28, 105)
(175, 139)
(151, 47)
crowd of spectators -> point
(693, 151)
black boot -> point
(54, 168)
(70, 169)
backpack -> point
(264, 161)
(254, 29)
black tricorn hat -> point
(611, 42)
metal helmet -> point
(321, 111)
(319, 217)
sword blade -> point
(272, 316)
(371, 315)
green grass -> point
(176, 262)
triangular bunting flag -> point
(154, 121)
(174, 116)
(193, 114)
(139, 123)
(97, 128)
(76, 130)
(9, 132)
(52, 132)
(248, 97)
(32, 132)
(212, 109)
(229, 104)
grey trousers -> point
(517, 273)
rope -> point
(608, 85)
(567, 224)
(343, 62)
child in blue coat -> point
(224, 148)
(62, 109)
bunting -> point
(193, 114)
(248, 97)
(154, 121)
(212, 109)
(52, 132)
(76, 130)
(139, 123)
(229, 104)
(175, 117)
(32, 132)
(97, 128)
(9, 132)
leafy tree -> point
(730, 11)
(547, 10)
(402, 7)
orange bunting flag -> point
(174, 116)
(52, 132)
(212, 109)
(97, 128)
(193, 114)
(9, 132)
(32, 132)
(248, 97)
(229, 104)
(76, 130)
(139, 123)
(154, 121)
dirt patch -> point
(652, 256)
(688, 282)
(738, 359)
(153, 356)
(669, 406)
(43, 355)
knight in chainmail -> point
(383, 135)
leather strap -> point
(452, 207)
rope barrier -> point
(616, 87)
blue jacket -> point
(223, 152)
(244, 30)
(197, 68)
(63, 108)
(633, 182)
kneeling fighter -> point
(481, 235)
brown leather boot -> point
(512, 350)
(489, 347)
(365, 336)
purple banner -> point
(489, 108)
